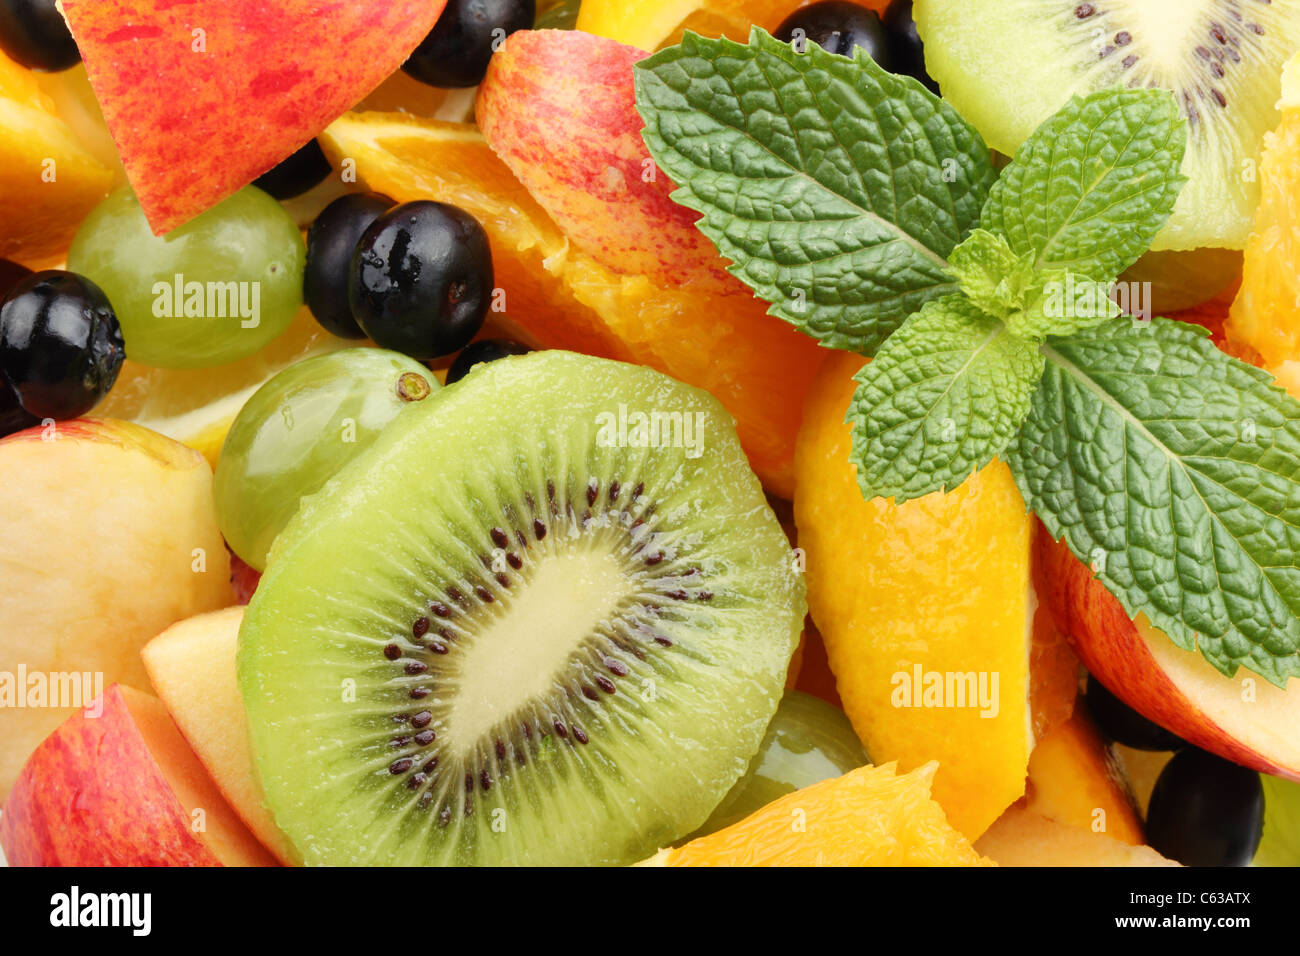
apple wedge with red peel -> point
(559, 107)
(121, 788)
(192, 666)
(110, 535)
(1244, 718)
(203, 97)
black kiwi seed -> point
(1084, 10)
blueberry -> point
(837, 27)
(1123, 724)
(1206, 811)
(456, 52)
(331, 241)
(421, 279)
(34, 33)
(60, 344)
(905, 48)
(307, 167)
(484, 350)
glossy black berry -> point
(1122, 724)
(906, 51)
(1206, 811)
(11, 273)
(60, 344)
(484, 350)
(13, 418)
(307, 167)
(421, 279)
(331, 242)
(34, 33)
(456, 52)
(837, 26)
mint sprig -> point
(847, 198)
(836, 189)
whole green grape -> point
(214, 290)
(297, 430)
(1280, 845)
(807, 741)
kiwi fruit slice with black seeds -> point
(545, 619)
(1007, 65)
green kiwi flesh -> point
(1007, 65)
(522, 628)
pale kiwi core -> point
(519, 653)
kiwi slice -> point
(1007, 65)
(527, 626)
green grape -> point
(1281, 843)
(215, 290)
(298, 430)
(557, 15)
(807, 741)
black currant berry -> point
(456, 52)
(331, 242)
(60, 344)
(1122, 724)
(33, 33)
(837, 27)
(421, 279)
(484, 350)
(1206, 811)
(307, 167)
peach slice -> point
(110, 536)
(192, 666)
(1244, 718)
(121, 789)
(1075, 779)
(1021, 837)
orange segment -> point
(651, 24)
(49, 181)
(756, 366)
(938, 588)
(1266, 314)
(868, 817)
(196, 406)
(1074, 778)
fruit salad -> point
(650, 432)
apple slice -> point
(110, 536)
(1244, 718)
(192, 666)
(121, 789)
(204, 96)
(1021, 837)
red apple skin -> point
(194, 125)
(94, 794)
(1110, 645)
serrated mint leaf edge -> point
(1180, 633)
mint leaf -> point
(1066, 303)
(1091, 187)
(944, 395)
(1175, 470)
(991, 274)
(836, 189)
